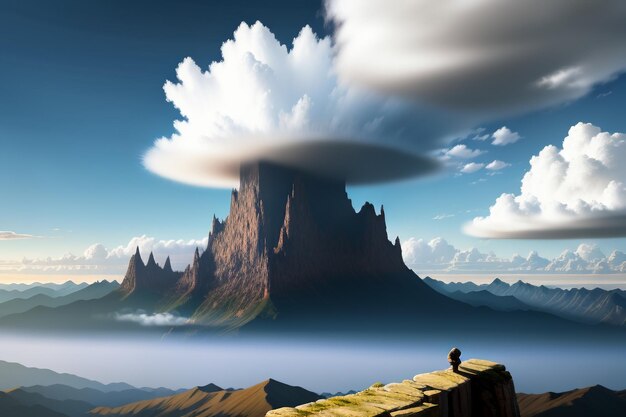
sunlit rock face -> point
(291, 236)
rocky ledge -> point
(479, 388)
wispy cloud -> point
(8, 235)
(472, 167)
(443, 216)
(496, 165)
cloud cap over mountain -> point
(264, 101)
(575, 191)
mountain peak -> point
(168, 265)
(211, 387)
(137, 256)
(151, 261)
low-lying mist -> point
(316, 363)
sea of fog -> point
(318, 364)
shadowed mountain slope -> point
(10, 407)
(21, 291)
(19, 375)
(580, 304)
(93, 291)
(70, 408)
(200, 402)
(97, 397)
(596, 401)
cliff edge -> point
(480, 388)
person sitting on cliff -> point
(454, 358)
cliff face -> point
(480, 388)
(290, 236)
(292, 241)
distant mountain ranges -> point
(578, 304)
(73, 396)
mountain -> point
(202, 402)
(20, 305)
(580, 304)
(20, 375)
(99, 398)
(70, 408)
(10, 407)
(487, 299)
(596, 401)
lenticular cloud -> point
(490, 57)
(575, 191)
(263, 96)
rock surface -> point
(480, 388)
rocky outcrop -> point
(148, 279)
(480, 388)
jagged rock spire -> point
(196, 256)
(167, 267)
(151, 261)
(137, 256)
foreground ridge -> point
(480, 388)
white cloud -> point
(96, 259)
(438, 255)
(462, 152)
(504, 136)
(472, 167)
(496, 165)
(150, 320)
(7, 235)
(574, 191)
(490, 56)
(443, 216)
(263, 97)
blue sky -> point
(82, 93)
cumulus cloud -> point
(264, 100)
(97, 259)
(577, 190)
(7, 235)
(472, 167)
(437, 255)
(492, 57)
(151, 320)
(504, 136)
(496, 165)
(461, 151)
